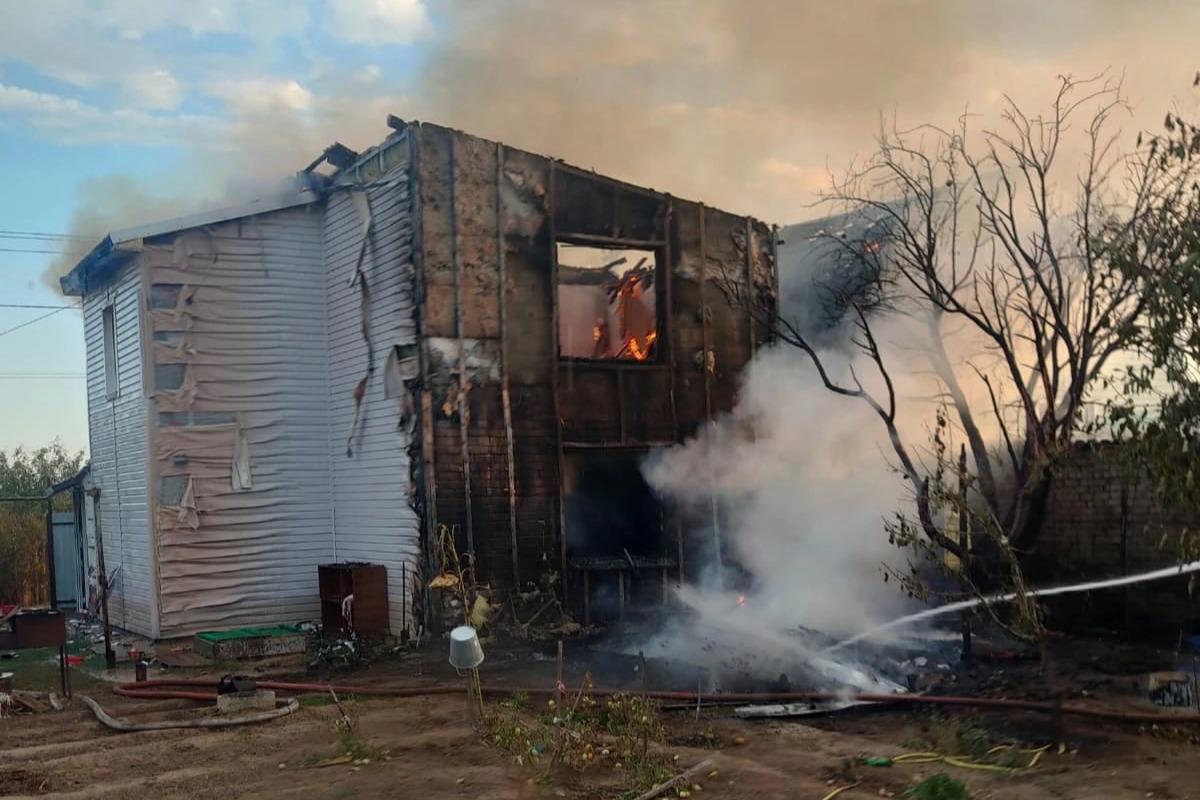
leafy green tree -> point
(26, 473)
(1157, 415)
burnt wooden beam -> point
(598, 240)
(625, 445)
(666, 326)
(774, 317)
(464, 405)
(341, 156)
(706, 339)
(551, 209)
(613, 363)
(750, 283)
(425, 418)
(621, 405)
(505, 397)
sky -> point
(115, 112)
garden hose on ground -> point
(967, 762)
(190, 690)
(964, 761)
(839, 790)
(290, 706)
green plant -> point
(939, 787)
(642, 773)
(351, 745)
(620, 734)
(952, 736)
(517, 701)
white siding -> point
(118, 443)
(373, 520)
(256, 352)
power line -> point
(30, 250)
(35, 319)
(33, 305)
(11, 234)
(41, 375)
(35, 377)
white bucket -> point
(465, 650)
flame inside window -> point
(606, 303)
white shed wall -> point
(118, 443)
(373, 520)
(249, 324)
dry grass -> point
(22, 556)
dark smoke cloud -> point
(744, 105)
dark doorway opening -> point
(617, 540)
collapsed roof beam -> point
(340, 156)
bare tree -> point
(995, 234)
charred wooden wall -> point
(490, 217)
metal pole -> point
(110, 657)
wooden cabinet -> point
(359, 587)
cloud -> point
(799, 176)
(260, 20)
(154, 88)
(380, 22)
(369, 74)
(251, 96)
(15, 98)
(72, 121)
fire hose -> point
(290, 706)
(160, 688)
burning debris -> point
(616, 294)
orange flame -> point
(637, 351)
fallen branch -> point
(682, 777)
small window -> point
(110, 351)
(171, 489)
(169, 377)
(607, 303)
(165, 295)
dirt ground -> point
(431, 751)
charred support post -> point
(110, 657)
(750, 283)
(621, 595)
(621, 425)
(668, 325)
(774, 281)
(668, 339)
(505, 397)
(705, 333)
(464, 405)
(425, 418)
(554, 349)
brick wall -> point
(1103, 520)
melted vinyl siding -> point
(373, 519)
(256, 349)
(118, 444)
